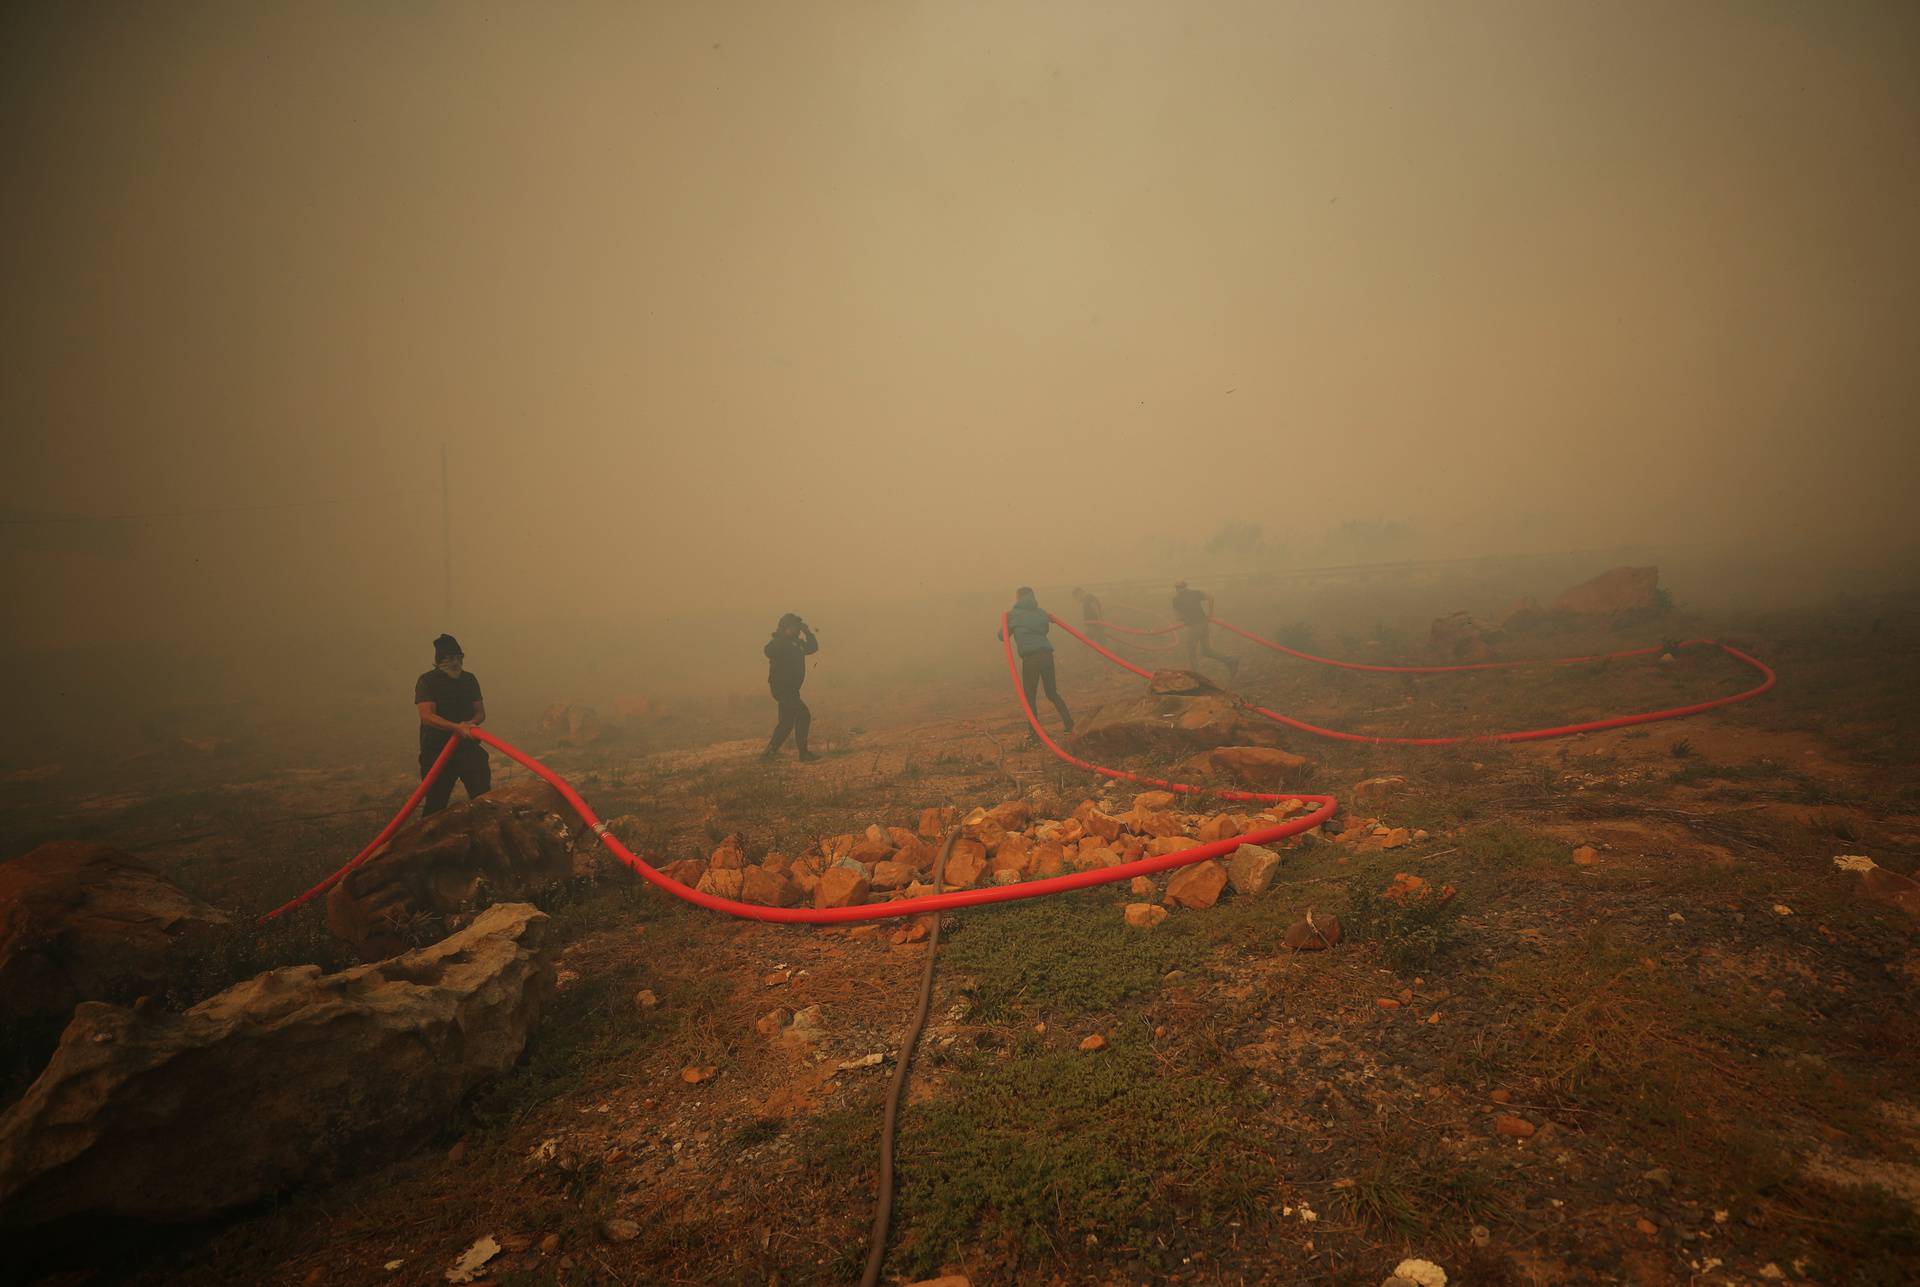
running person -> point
(1194, 608)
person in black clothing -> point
(1194, 608)
(1092, 617)
(448, 699)
(787, 654)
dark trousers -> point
(1199, 644)
(1036, 668)
(467, 764)
(1097, 633)
(795, 718)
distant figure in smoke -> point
(1030, 623)
(448, 699)
(787, 654)
(1092, 617)
(1194, 608)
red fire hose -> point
(1141, 635)
(1768, 679)
(1324, 804)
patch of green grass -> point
(1504, 846)
(1692, 1065)
(1405, 1190)
(1068, 955)
(761, 1130)
(1049, 1146)
(1410, 934)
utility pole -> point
(446, 544)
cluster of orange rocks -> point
(1000, 846)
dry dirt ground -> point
(1703, 1042)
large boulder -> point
(1258, 767)
(1181, 683)
(1521, 615)
(511, 844)
(1459, 637)
(1618, 592)
(289, 1077)
(1172, 721)
(84, 922)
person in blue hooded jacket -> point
(1030, 623)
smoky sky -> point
(740, 306)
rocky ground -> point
(1597, 1010)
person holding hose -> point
(1194, 608)
(449, 702)
(787, 654)
(1092, 623)
(1030, 623)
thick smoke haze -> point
(721, 310)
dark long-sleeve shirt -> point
(787, 661)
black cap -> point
(446, 646)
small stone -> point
(1772, 1272)
(1251, 869)
(1197, 886)
(1501, 1096)
(1095, 1042)
(1142, 885)
(1676, 918)
(645, 999)
(1646, 1226)
(619, 1229)
(458, 1153)
(1376, 788)
(694, 1076)
(550, 1244)
(1388, 1003)
(1518, 1128)
(1586, 856)
(1312, 934)
(1160, 1031)
(1421, 1273)
(1658, 1177)
(840, 887)
(1781, 909)
(1479, 1235)
(1144, 915)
